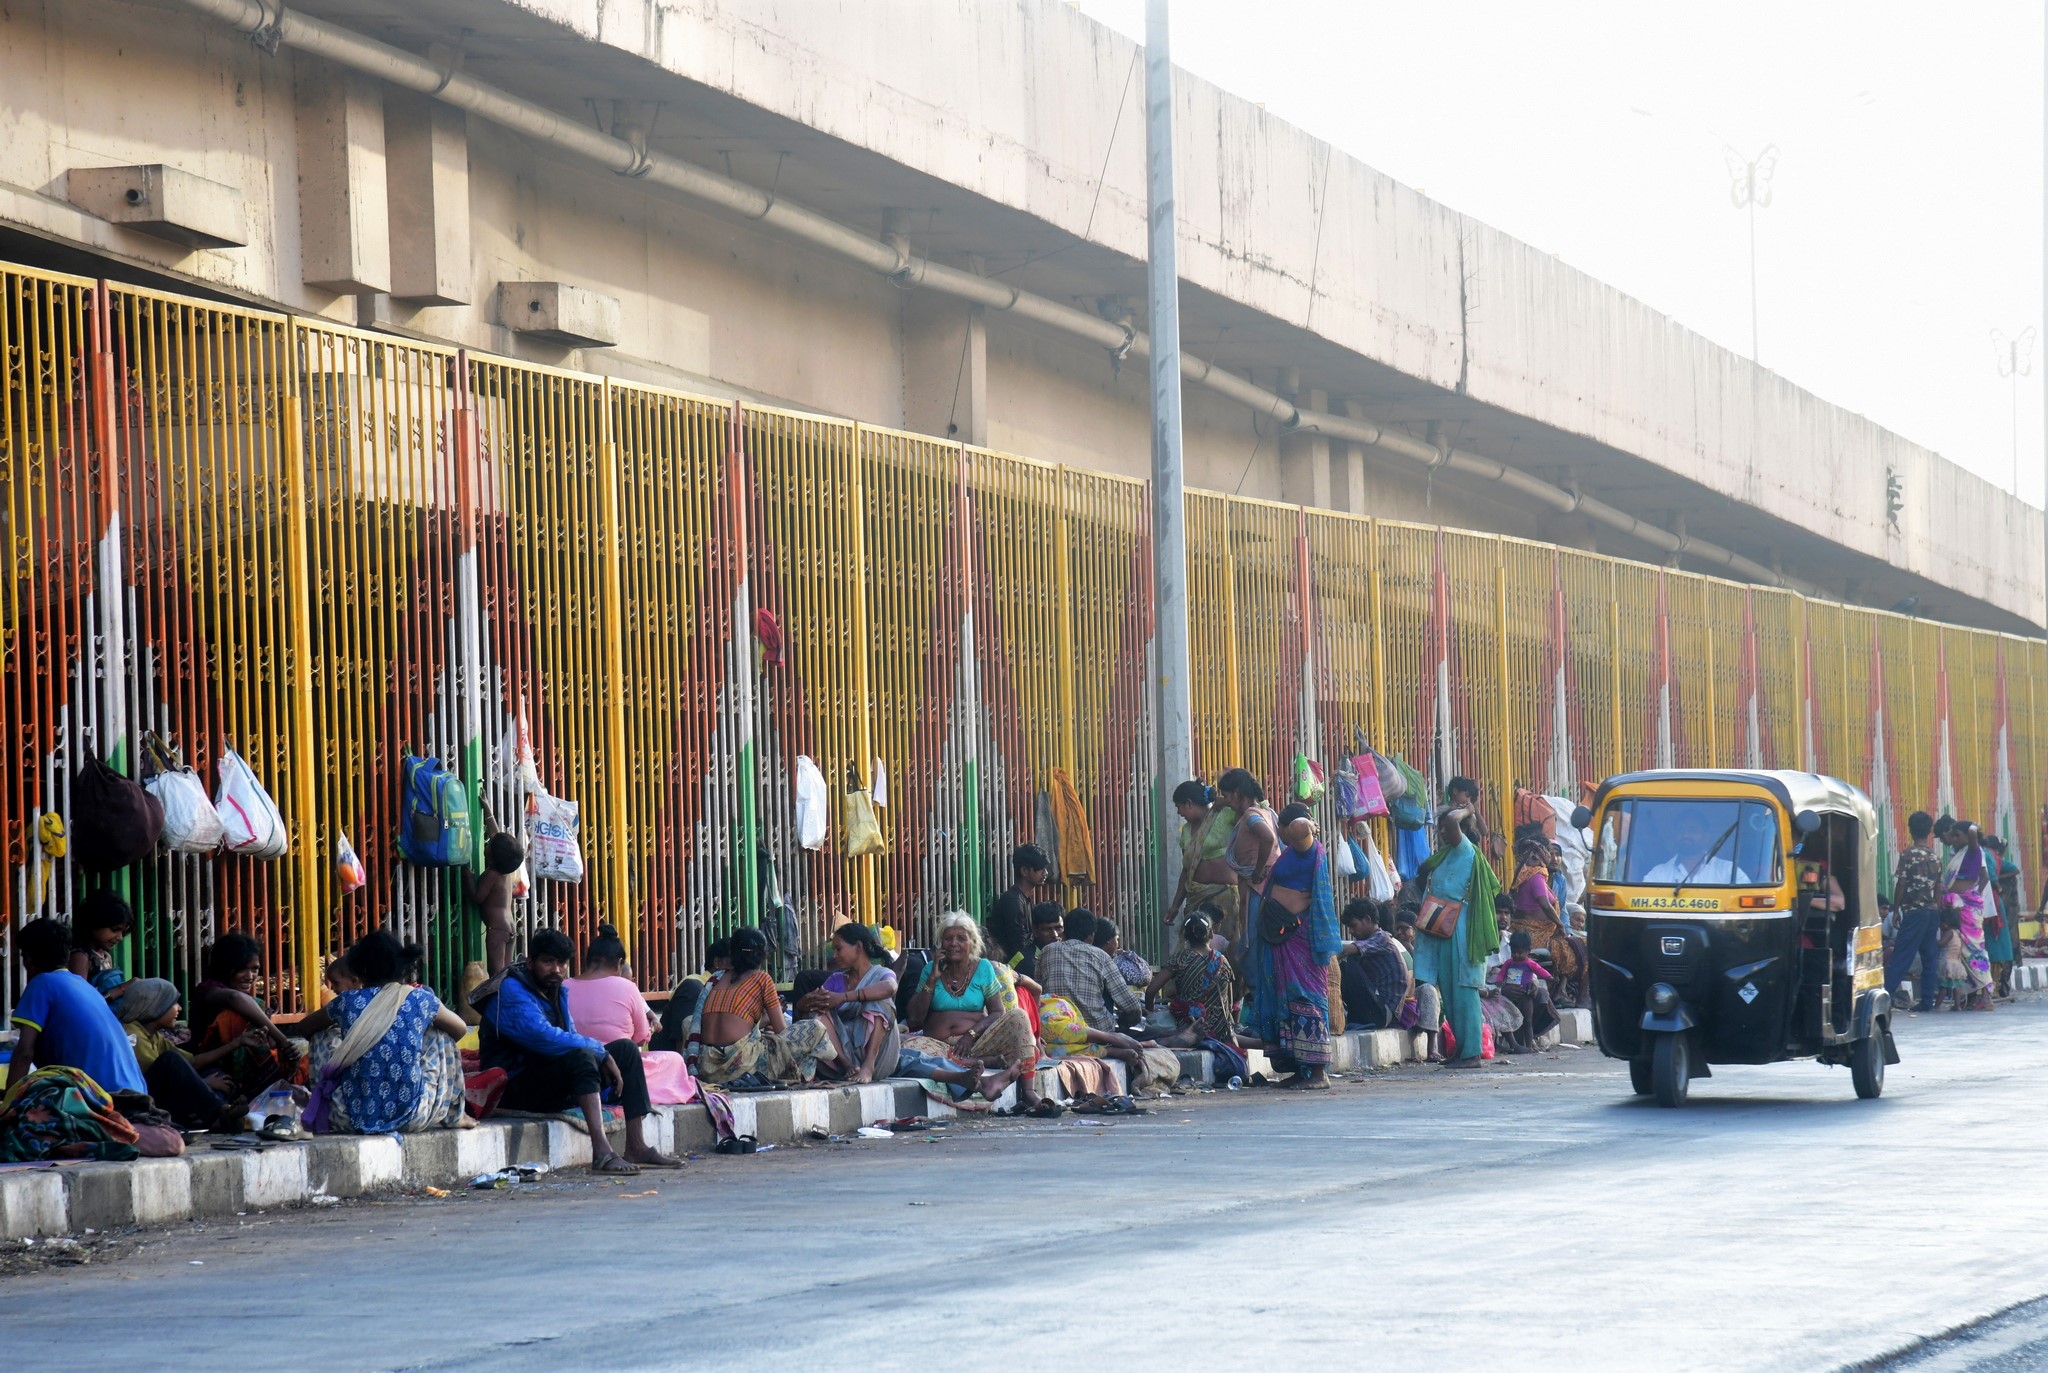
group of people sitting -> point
(1260, 959)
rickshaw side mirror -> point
(1582, 817)
(1806, 822)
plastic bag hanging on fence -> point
(1347, 860)
(1379, 873)
(349, 871)
(1077, 842)
(880, 790)
(863, 829)
(191, 824)
(253, 827)
(813, 807)
(114, 822)
(1368, 798)
(1309, 785)
(1393, 781)
(551, 848)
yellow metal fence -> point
(328, 549)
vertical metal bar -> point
(624, 912)
(1505, 753)
(1614, 660)
(305, 762)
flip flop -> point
(615, 1163)
(1046, 1109)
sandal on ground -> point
(738, 1144)
(1046, 1109)
(614, 1163)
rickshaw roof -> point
(1798, 791)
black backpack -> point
(114, 822)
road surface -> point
(1536, 1213)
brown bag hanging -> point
(114, 821)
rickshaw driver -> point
(1689, 862)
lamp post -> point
(2015, 358)
(1749, 187)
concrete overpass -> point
(1376, 352)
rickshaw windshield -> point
(1668, 841)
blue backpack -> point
(433, 815)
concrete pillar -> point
(344, 223)
(426, 177)
(1347, 468)
(1305, 458)
(945, 367)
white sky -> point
(1906, 222)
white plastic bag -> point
(1379, 874)
(252, 826)
(191, 824)
(813, 806)
(551, 850)
(1346, 868)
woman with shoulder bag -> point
(1456, 930)
(1292, 942)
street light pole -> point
(1749, 187)
(1171, 681)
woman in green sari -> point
(1206, 877)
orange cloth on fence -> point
(1077, 844)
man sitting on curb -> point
(527, 1031)
(1075, 969)
(1376, 982)
(62, 1022)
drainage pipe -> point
(269, 23)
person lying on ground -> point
(384, 1059)
(1069, 1035)
(1374, 973)
(743, 1036)
(228, 1014)
(1084, 975)
(1199, 984)
(1525, 984)
(858, 1005)
(491, 893)
(528, 1031)
(99, 925)
(1108, 938)
(61, 1022)
(967, 1030)
(193, 1092)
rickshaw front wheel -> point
(1639, 1076)
(1866, 1064)
(1670, 1072)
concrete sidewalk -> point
(72, 1198)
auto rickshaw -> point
(1732, 918)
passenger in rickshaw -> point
(1831, 847)
(1693, 834)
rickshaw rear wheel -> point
(1866, 1064)
(1670, 1072)
(1639, 1076)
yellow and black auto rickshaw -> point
(1732, 918)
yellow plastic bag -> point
(863, 829)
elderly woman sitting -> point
(743, 1033)
(858, 1004)
(968, 1031)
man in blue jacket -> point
(527, 1031)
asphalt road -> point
(1529, 1215)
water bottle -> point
(1236, 1084)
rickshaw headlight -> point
(1663, 998)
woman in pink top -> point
(606, 1005)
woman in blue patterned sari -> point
(1291, 946)
(384, 1055)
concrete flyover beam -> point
(271, 24)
